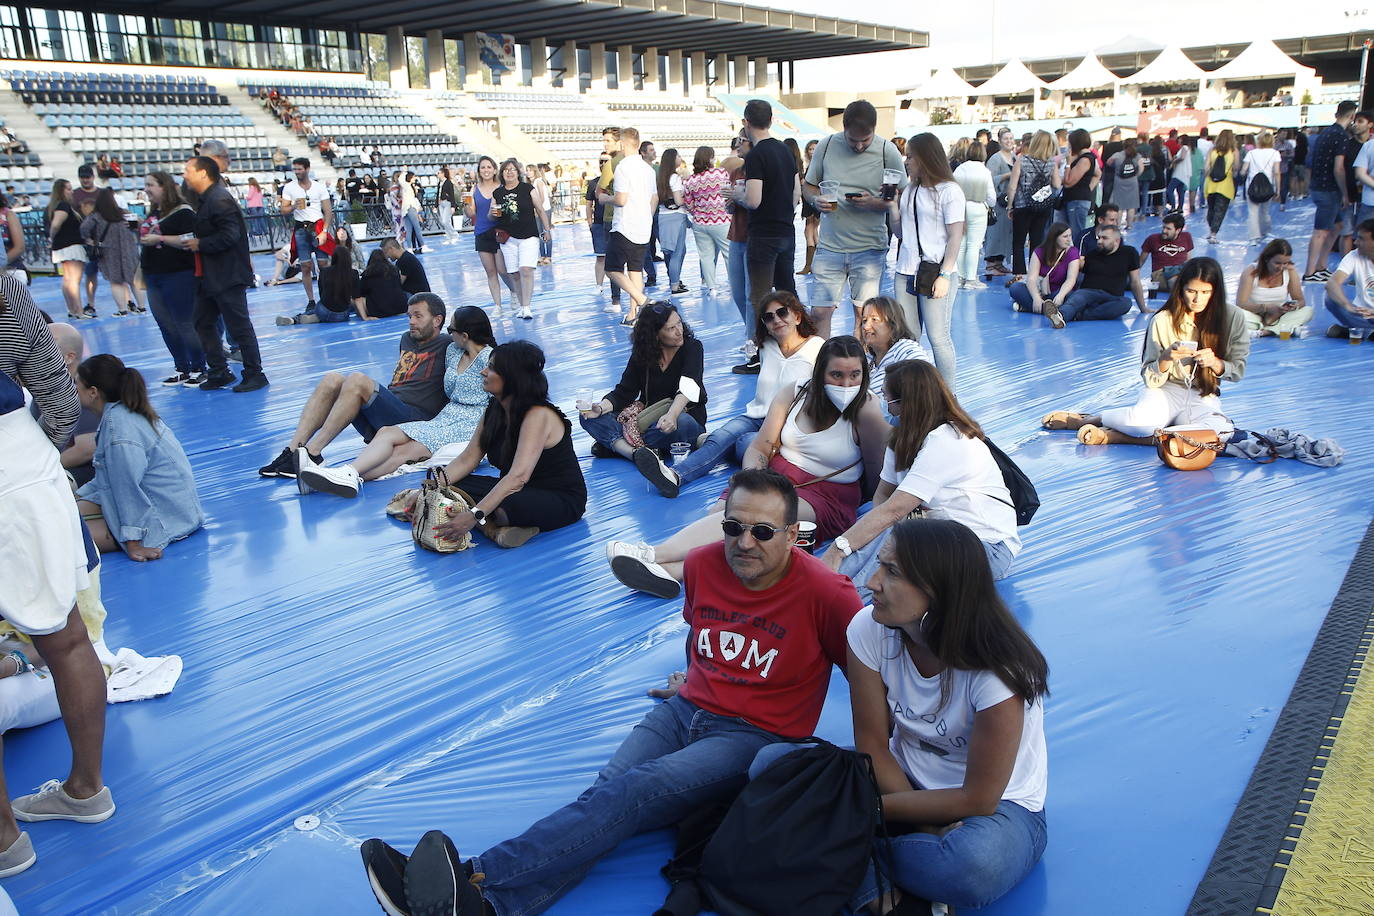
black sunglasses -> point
(780, 313)
(760, 531)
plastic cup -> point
(891, 179)
(679, 450)
(830, 192)
(1356, 335)
(1285, 334)
(584, 399)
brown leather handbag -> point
(1187, 449)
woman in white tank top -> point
(1271, 293)
(824, 435)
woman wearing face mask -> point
(888, 340)
(928, 217)
(824, 435)
(788, 345)
(938, 462)
(1194, 343)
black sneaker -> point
(251, 382)
(310, 307)
(284, 465)
(664, 478)
(217, 380)
(750, 367)
(386, 872)
(193, 381)
(1338, 330)
(680, 288)
(236, 354)
(602, 451)
(1317, 276)
(176, 379)
(436, 883)
(89, 311)
(651, 282)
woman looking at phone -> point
(1271, 293)
(1194, 343)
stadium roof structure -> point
(686, 25)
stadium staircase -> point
(280, 135)
(56, 157)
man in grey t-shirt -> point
(853, 240)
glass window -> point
(11, 30)
(374, 48)
(416, 67)
(60, 35)
(453, 63)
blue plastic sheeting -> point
(334, 669)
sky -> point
(971, 32)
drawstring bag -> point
(436, 503)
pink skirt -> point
(836, 505)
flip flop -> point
(1092, 435)
(1059, 419)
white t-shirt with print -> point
(936, 206)
(957, 478)
(315, 196)
(635, 218)
(674, 184)
(1360, 271)
(931, 741)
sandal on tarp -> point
(1092, 435)
(1059, 419)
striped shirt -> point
(701, 195)
(30, 357)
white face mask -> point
(842, 396)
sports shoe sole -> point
(652, 469)
(377, 854)
(79, 818)
(434, 878)
(633, 573)
(325, 485)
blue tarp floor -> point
(334, 669)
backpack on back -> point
(797, 840)
(1261, 188)
(1217, 172)
(1129, 167)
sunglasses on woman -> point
(760, 531)
(780, 313)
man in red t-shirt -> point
(1168, 250)
(767, 622)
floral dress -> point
(393, 202)
(457, 421)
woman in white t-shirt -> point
(929, 217)
(947, 692)
(936, 461)
(1262, 160)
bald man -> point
(79, 449)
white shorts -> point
(520, 253)
(43, 564)
(70, 253)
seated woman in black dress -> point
(380, 293)
(529, 441)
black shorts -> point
(623, 254)
(486, 241)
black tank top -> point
(557, 468)
(1081, 191)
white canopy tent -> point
(1171, 66)
(1013, 79)
(943, 84)
(1262, 59)
(1089, 74)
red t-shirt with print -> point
(765, 656)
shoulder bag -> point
(922, 283)
(1187, 449)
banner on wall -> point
(1159, 123)
(497, 51)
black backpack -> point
(1261, 188)
(1024, 499)
(1218, 170)
(1129, 166)
(795, 842)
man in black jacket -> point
(224, 274)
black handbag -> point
(923, 282)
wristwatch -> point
(842, 543)
(479, 515)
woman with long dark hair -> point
(672, 219)
(68, 250)
(947, 693)
(788, 345)
(518, 211)
(408, 443)
(825, 435)
(143, 495)
(1054, 268)
(107, 232)
(448, 204)
(1080, 181)
(663, 375)
(1194, 343)
(380, 294)
(928, 217)
(169, 270)
(936, 461)
(703, 196)
(477, 204)
(1271, 294)
(525, 437)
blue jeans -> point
(830, 270)
(411, 229)
(672, 238)
(384, 408)
(1079, 213)
(711, 243)
(733, 435)
(678, 758)
(606, 430)
(329, 316)
(256, 224)
(307, 244)
(1020, 294)
(932, 315)
(650, 269)
(1346, 318)
(172, 299)
(1093, 305)
(546, 245)
(738, 272)
(1174, 193)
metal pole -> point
(1364, 68)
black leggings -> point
(1026, 222)
(529, 507)
(1217, 205)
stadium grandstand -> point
(1208, 734)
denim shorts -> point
(830, 270)
(384, 409)
(598, 238)
(1328, 209)
(307, 243)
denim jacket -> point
(143, 482)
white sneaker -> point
(638, 550)
(975, 284)
(526, 313)
(340, 481)
(611, 308)
(633, 572)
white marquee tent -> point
(1171, 66)
(1089, 74)
(1260, 60)
(1013, 79)
(943, 84)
